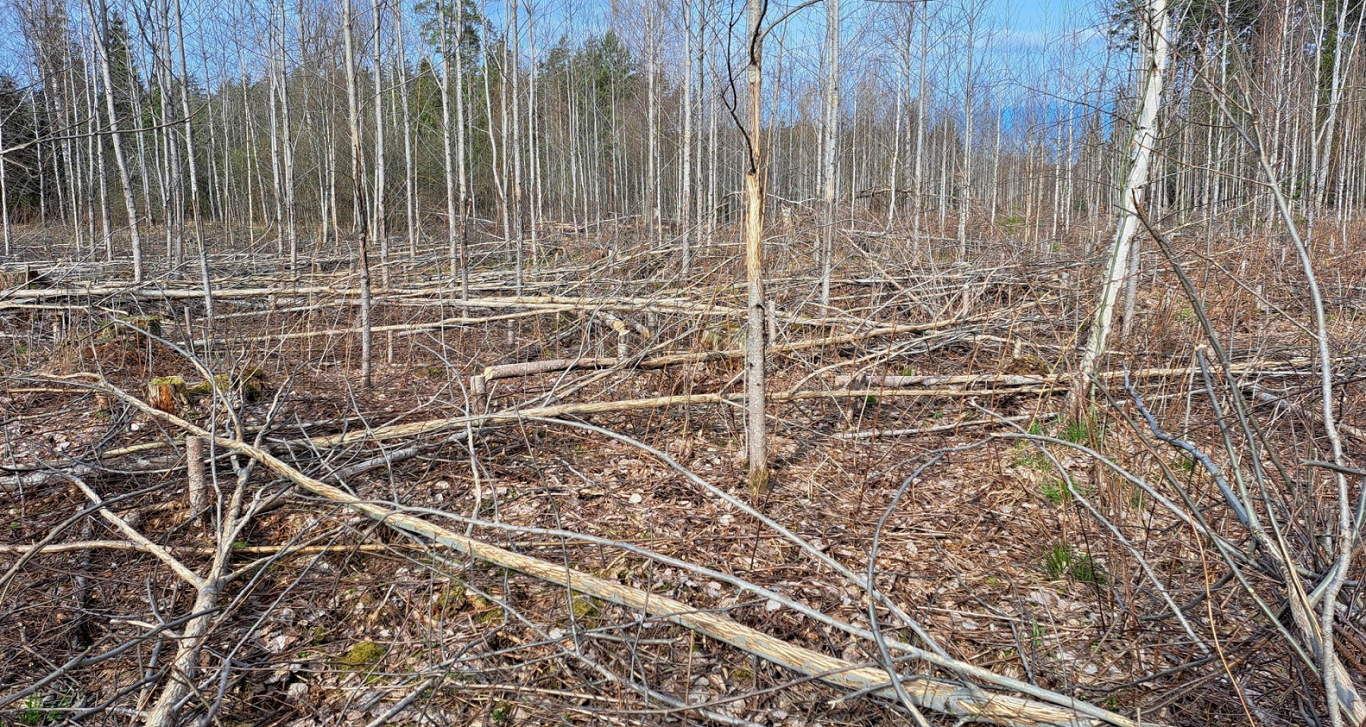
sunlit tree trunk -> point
(1154, 33)
(919, 181)
(515, 147)
(204, 274)
(100, 26)
(831, 141)
(756, 428)
(95, 154)
(287, 147)
(965, 201)
(4, 193)
(410, 209)
(685, 204)
(379, 231)
(456, 250)
(359, 223)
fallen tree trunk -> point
(531, 368)
(899, 382)
(925, 692)
(430, 426)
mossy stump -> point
(168, 394)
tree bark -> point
(1154, 32)
(831, 140)
(359, 224)
(756, 434)
(115, 135)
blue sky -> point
(1020, 28)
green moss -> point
(362, 655)
(451, 601)
(151, 324)
(250, 383)
(488, 616)
(586, 609)
(758, 481)
(204, 388)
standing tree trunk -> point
(115, 137)
(4, 191)
(95, 156)
(445, 86)
(652, 202)
(464, 198)
(1154, 26)
(515, 148)
(194, 180)
(685, 204)
(409, 172)
(901, 80)
(287, 146)
(965, 206)
(358, 184)
(919, 180)
(756, 444)
(831, 133)
(379, 233)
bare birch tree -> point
(756, 428)
(1153, 31)
(830, 141)
(359, 225)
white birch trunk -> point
(100, 27)
(1141, 152)
(831, 141)
(756, 428)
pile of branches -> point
(140, 567)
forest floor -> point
(333, 617)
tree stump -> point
(194, 469)
(167, 393)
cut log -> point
(532, 368)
